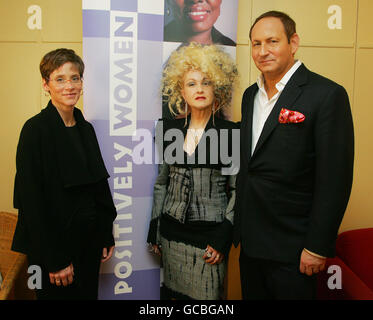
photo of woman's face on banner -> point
(202, 21)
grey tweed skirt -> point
(187, 273)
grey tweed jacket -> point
(193, 194)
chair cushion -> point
(355, 248)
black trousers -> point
(86, 265)
(271, 280)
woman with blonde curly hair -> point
(193, 201)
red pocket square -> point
(288, 116)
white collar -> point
(285, 79)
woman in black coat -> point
(66, 211)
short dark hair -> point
(288, 23)
(56, 58)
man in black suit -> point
(297, 150)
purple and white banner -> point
(124, 52)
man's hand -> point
(310, 264)
(63, 277)
(212, 256)
(107, 255)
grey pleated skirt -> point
(186, 273)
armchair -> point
(354, 256)
(13, 265)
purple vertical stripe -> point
(150, 27)
(124, 5)
(96, 23)
(143, 175)
(145, 286)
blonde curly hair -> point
(212, 61)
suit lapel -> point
(67, 159)
(247, 131)
(290, 93)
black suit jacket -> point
(293, 190)
(57, 193)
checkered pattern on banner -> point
(124, 52)
(132, 273)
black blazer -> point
(56, 192)
(293, 191)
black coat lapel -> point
(247, 122)
(67, 159)
(290, 93)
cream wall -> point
(21, 50)
(344, 55)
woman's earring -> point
(213, 112)
(168, 9)
(186, 114)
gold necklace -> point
(198, 132)
(196, 135)
(193, 135)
